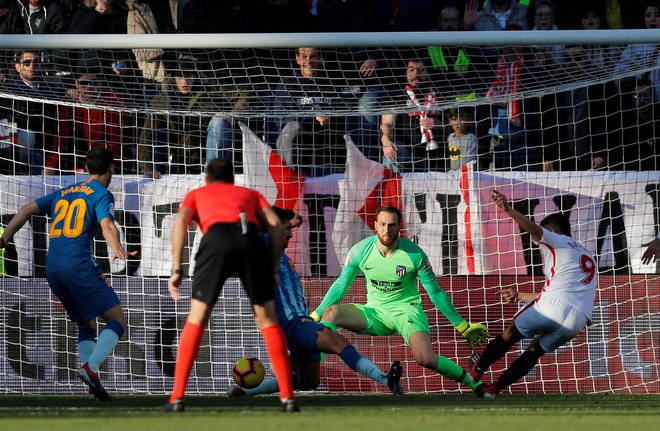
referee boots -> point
(178, 405)
(290, 405)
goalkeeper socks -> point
(449, 368)
(86, 343)
(362, 365)
(189, 343)
(329, 325)
(518, 369)
(452, 370)
(494, 351)
(279, 358)
(106, 343)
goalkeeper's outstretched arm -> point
(338, 289)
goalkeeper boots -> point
(290, 405)
(178, 405)
(91, 379)
(487, 391)
(394, 378)
(475, 372)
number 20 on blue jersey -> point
(69, 218)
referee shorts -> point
(224, 252)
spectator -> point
(496, 15)
(622, 14)
(43, 16)
(10, 23)
(409, 141)
(601, 57)
(563, 12)
(165, 12)
(39, 126)
(641, 56)
(582, 117)
(508, 143)
(312, 142)
(171, 141)
(10, 19)
(141, 20)
(354, 73)
(460, 69)
(106, 124)
(641, 131)
(462, 144)
(100, 17)
(544, 19)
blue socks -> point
(86, 343)
(362, 365)
(106, 343)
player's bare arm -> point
(512, 295)
(529, 226)
(17, 222)
(111, 235)
(386, 139)
(179, 237)
(651, 254)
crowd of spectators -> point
(162, 111)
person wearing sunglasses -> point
(39, 125)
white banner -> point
(611, 214)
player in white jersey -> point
(555, 315)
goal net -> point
(429, 122)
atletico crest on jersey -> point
(400, 270)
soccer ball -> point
(248, 372)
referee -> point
(243, 237)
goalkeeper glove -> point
(315, 316)
(475, 333)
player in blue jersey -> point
(307, 338)
(72, 272)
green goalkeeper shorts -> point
(404, 319)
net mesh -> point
(570, 128)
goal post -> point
(557, 120)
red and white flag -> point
(265, 171)
(366, 186)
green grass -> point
(430, 412)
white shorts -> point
(553, 320)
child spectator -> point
(462, 143)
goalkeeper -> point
(308, 339)
(391, 266)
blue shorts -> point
(85, 294)
(301, 335)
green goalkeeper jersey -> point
(391, 280)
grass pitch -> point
(427, 412)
